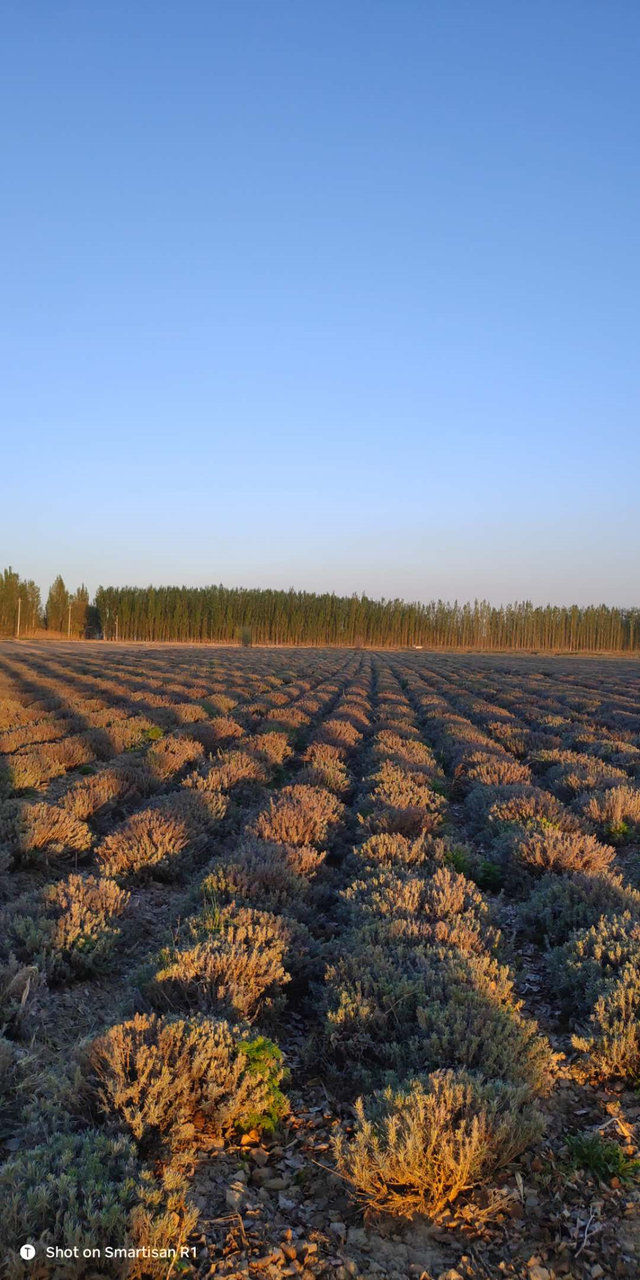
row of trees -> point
(67, 612)
(223, 614)
(20, 606)
(21, 611)
(219, 613)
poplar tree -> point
(15, 590)
(79, 611)
(57, 606)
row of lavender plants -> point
(124, 1114)
(422, 1024)
(552, 802)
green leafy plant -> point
(153, 734)
(489, 876)
(602, 1157)
(210, 914)
(618, 832)
(459, 860)
(264, 1062)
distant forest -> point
(237, 615)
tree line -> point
(226, 615)
(217, 613)
(22, 612)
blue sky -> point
(338, 295)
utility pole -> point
(18, 626)
(69, 623)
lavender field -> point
(319, 962)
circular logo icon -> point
(27, 1251)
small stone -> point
(234, 1196)
(290, 1252)
(338, 1229)
(260, 1156)
(596, 1271)
(358, 1238)
(539, 1273)
(276, 1184)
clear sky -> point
(338, 294)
